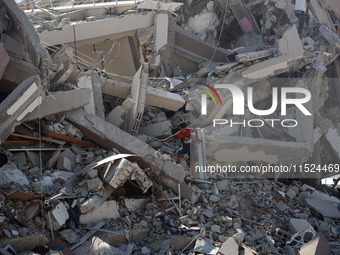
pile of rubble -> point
(88, 90)
(86, 204)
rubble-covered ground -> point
(88, 90)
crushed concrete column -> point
(96, 105)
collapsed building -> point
(89, 88)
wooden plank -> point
(43, 139)
(24, 196)
(75, 141)
(18, 143)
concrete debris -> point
(87, 90)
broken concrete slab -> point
(164, 99)
(317, 246)
(108, 210)
(154, 97)
(21, 101)
(290, 47)
(324, 208)
(178, 243)
(133, 204)
(163, 6)
(58, 216)
(190, 43)
(160, 129)
(229, 247)
(61, 101)
(296, 225)
(102, 30)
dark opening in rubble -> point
(3, 159)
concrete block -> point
(69, 236)
(93, 173)
(133, 204)
(119, 173)
(108, 210)
(72, 131)
(229, 247)
(239, 238)
(204, 246)
(33, 158)
(216, 229)
(85, 158)
(53, 160)
(59, 216)
(295, 225)
(223, 185)
(32, 211)
(178, 243)
(64, 164)
(214, 199)
(95, 201)
(161, 129)
(21, 159)
(281, 206)
(114, 117)
(67, 160)
(291, 193)
(94, 184)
